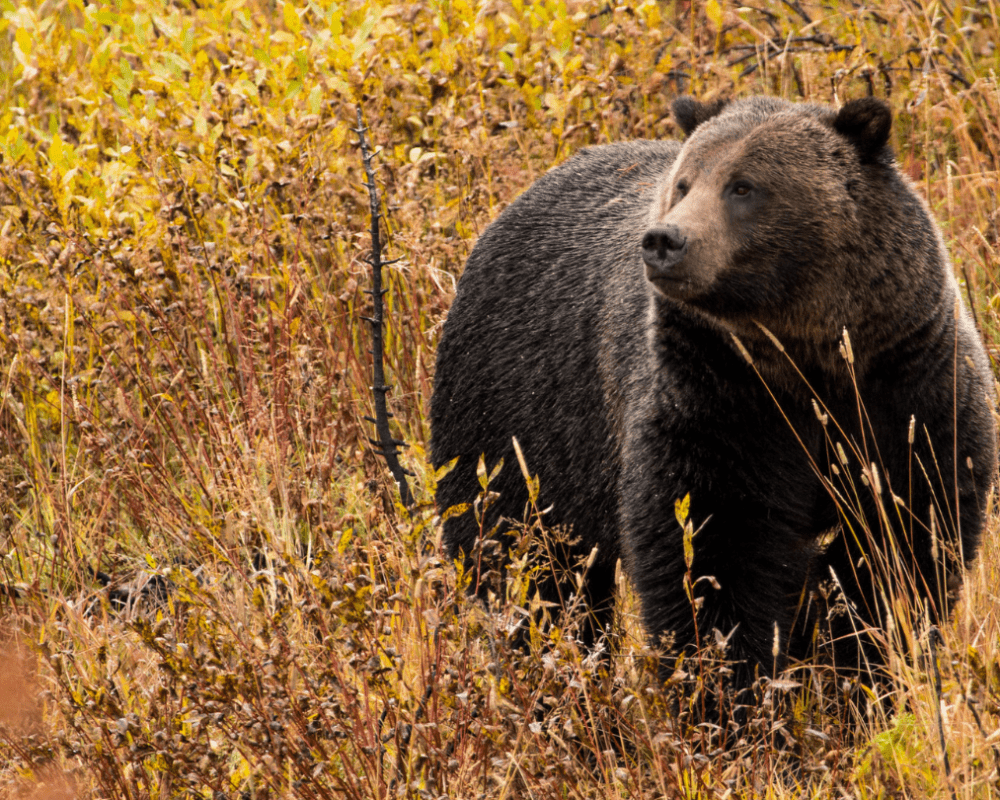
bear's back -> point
(525, 317)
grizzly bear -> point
(762, 320)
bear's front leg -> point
(748, 578)
(756, 511)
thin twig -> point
(979, 724)
(934, 637)
(798, 10)
(385, 445)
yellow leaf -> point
(245, 89)
(681, 508)
(229, 7)
(56, 151)
(713, 10)
(444, 469)
(54, 399)
(24, 43)
(448, 55)
(688, 546)
(572, 66)
(315, 99)
(532, 482)
(455, 511)
(653, 16)
(496, 471)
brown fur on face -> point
(774, 208)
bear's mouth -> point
(676, 287)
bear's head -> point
(764, 215)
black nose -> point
(663, 248)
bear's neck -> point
(800, 364)
(785, 364)
(793, 364)
(835, 362)
(800, 355)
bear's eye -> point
(681, 189)
(742, 188)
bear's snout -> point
(662, 249)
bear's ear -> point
(690, 113)
(866, 123)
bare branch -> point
(385, 444)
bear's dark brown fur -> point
(653, 321)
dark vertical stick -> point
(386, 446)
(934, 638)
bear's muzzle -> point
(662, 249)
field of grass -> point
(207, 585)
